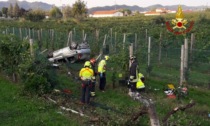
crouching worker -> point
(140, 87)
(137, 85)
(87, 76)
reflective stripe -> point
(92, 93)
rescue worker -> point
(140, 87)
(133, 75)
(102, 73)
(87, 76)
(93, 65)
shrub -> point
(37, 84)
(35, 15)
(37, 75)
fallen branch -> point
(182, 108)
(149, 104)
(142, 112)
(73, 111)
(67, 109)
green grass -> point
(18, 110)
(114, 107)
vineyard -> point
(114, 36)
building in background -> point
(107, 13)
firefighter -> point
(87, 76)
(102, 73)
(93, 65)
(140, 87)
(133, 75)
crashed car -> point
(72, 53)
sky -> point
(140, 3)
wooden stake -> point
(124, 37)
(130, 52)
(104, 41)
(115, 40)
(136, 39)
(149, 49)
(68, 41)
(31, 47)
(185, 54)
(160, 48)
(20, 31)
(182, 66)
(191, 46)
(111, 38)
(29, 33)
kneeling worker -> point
(140, 87)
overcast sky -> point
(141, 3)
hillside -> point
(26, 5)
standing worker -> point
(133, 75)
(102, 73)
(93, 65)
(87, 76)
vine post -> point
(31, 47)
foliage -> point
(10, 10)
(67, 12)
(4, 11)
(79, 9)
(36, 84)
(35, 15)
(22, 12)
(121, 59)
(125, 12)
(11, 51)
(16, 10)
(37, 75)
(159, 20)
(55, 12)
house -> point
(153, 13)
(157, 12)
(161, 10)
(107, 13)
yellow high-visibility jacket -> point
(139, 83)
(102, 66)
(86, 73)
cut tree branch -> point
(182, 108)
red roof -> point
(105, 12)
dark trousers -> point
(102, 81)
(133, 86)
(93, 87)
(86, 86)
(134, 89)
